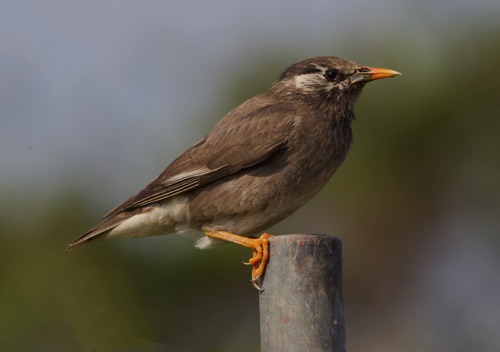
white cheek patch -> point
(313, 82)
(308, 82)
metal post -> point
(302, 302)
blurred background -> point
(96, 98)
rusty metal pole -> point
(302, 302)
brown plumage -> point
(259, 164)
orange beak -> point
(367, 73)
(378, 73)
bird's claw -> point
(259, 247)
(259, 258)
(255, 283)
(252, 261)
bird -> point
(259, 164)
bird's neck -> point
(337, 106)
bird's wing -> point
(235, 143)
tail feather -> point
(101, 229)
(139, 222)
(87, 236)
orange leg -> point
(259, 247)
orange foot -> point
(259, 247)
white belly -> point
(154, 220)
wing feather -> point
(231, 146)
(244, 138)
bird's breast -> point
(258, 197)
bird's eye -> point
(331, 74)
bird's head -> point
(325, 80)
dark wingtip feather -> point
(96, 232)
(81, 240)
(100, 230)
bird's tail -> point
(99, 231)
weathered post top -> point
(302, 302)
